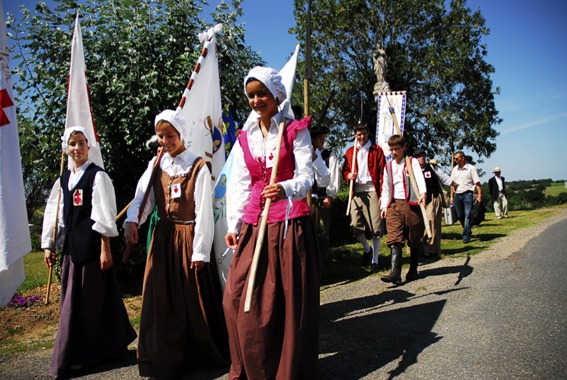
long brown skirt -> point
(93, 323)
(182, 323)
(278, 338)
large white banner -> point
(15, 240)
(78, 100)
(201, 106)
(390, 105)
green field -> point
(555, 189)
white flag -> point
(78, 101)
(15, 240)
(391, 104)
(201, 106)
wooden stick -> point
(351, 190)
(416, 191)
(124, 210)
(54, 234)
(263, 223)
(161, 151)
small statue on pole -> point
(380, 67)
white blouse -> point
(240, 183)
(204, 222)
(103, 206)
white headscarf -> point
(175, 119)
(67, 135)
(269, 78)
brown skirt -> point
(182, 323)
(278, 338)
(93, 323)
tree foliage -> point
(434, 52)
(139, 56)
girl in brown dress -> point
(182, 324)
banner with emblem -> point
(15, 241)
(201, 107)
(391, 104)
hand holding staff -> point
(263, 223)
(55, 225)
(144, 201)
(351, 189)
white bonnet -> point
(175, 119)
(269, 78)
(67, 135)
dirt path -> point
(363, 323)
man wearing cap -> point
(497, 188)
(325, 188)
(465, 177)
(434, 202)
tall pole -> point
(307, 60)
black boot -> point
(414, 262)
(366, 258)
(395, 274)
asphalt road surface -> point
(501, 314)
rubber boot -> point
(414, 262)
(395, 275)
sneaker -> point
(366, 258)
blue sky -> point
(527, 45)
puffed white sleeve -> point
(302, 181)
(335, 179)
(419, 178)
(386, 189)
(103, 212)
(204, 219)
(238, 189)
(133, 210)
(49, 216)
(322, 173)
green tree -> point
(139, 56)
(434, 52)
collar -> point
(366, 146)
(82, 168)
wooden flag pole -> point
(263, 223)
(351, 189)
(54, 234)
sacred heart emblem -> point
(78, 197)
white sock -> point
(376, 247)
(362, 239)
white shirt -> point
(499, 182)
(398, 177)
(363, 175)
(322, 173)
(466, 178)
(239, 183)
(103, 211)
(204, 222)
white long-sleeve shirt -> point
(204, 222)
(398, 177)
(103, 211)
(240, 183)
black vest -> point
(431, 183)
(81, 241)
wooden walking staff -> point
(410, 171)
(263, 223)
(161, 151)
(351, 189)
(54, 234)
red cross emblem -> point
(5, 102)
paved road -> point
(501, 314)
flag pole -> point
(352, 168)
(307, 78)
(55, 225)
(263, 223)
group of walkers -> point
(186, 319)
